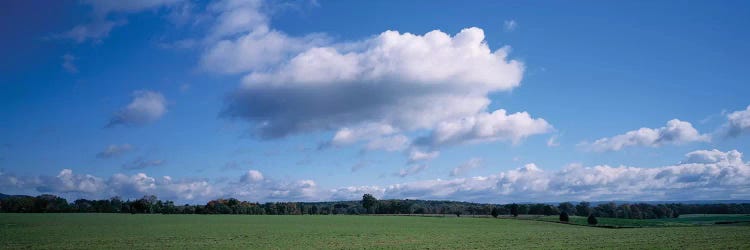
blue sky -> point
(486, 101)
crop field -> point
(97, 231)
(683, 221)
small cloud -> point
(418, 155)
(676, 132)
(184, 87)
(141, 163)
(114, 150)
(510, 25)
(304, 162)
(486, 127)
(69, 63)
(359, 165)
(100, 27)
(414, 169)
(252, 176)
(234, 165)
(713, 156)
(738, 123)
(553, 142)
(94, 31)
(465, 167)
(146, 106)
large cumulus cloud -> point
(402, 80)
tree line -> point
(368, 205)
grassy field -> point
(238, 231)
(683, 221)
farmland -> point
(242, 231)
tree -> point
(369, 202)
(567, 207)
(592, 220)
(564, 217)
(495, 212)
(549, 210)
(583, 209)
(514, 209)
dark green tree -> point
(495, 212)
(583, 209)
(514, 209)
(369, 202)
(564, 217)
(592, 220)
(567, 207)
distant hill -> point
(3, 196)
(593, 203)
(620, 202)
(671, 202)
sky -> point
(480, 101)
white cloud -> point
(466, 166)
(146, 106)
(703, 175)
(298, 190)
(94, 31)
(359, 165)
(75, 186)
(510, 25)
(240, 39)
(389, 143)
(346, 135)
(12, 182)
(141, 184)
(258, 50)
(69, 63)
(487, 127)
(234, 17)
(416, 155)
(405, 81)
(252, 176)
(105, 7)
(675, 132)
(185, 87)
(140, 163)
(713, 156)
(411, 170)
(718, 178)
(265, 189)
(738, 123)
(67, 182)
(101, 25)
(354, 192)
(114, 150)
(400, 81)
(553, 141)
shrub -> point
(564, 217)
(592, 220)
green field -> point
(683, 221)
(99, 231)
